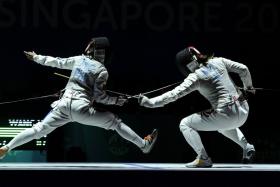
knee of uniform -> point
(40, 130)
(185, 124)
(115, 124)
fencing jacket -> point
(88, 76)
(212, 81)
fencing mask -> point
(187, 60)
(97, 47)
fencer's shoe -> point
(200, 163)
(3, 151)
(150, 141)
(248, 154)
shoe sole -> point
(210, 166)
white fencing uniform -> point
(84, 87)
(215, 84)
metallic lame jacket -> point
(212, 81)
(88, 76)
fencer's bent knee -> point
(184, 124)
(185, 129)
(41, 130)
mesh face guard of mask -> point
(97, 47)
(186, 60)
(193, 65)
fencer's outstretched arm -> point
(61, 63)
(100, 94)
(242, 70)
(190, 84)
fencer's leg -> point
(127, 133)
(20, 139)
(110, 121)
(193, 138)
(36, 132)
(145, 144)
(53, 120)
(237, 136)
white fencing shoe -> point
(248, 154)
(3, 151)
(200, 163)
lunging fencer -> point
(85, 87)
(209, 75)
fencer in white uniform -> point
(210, 77)
(84, 88)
